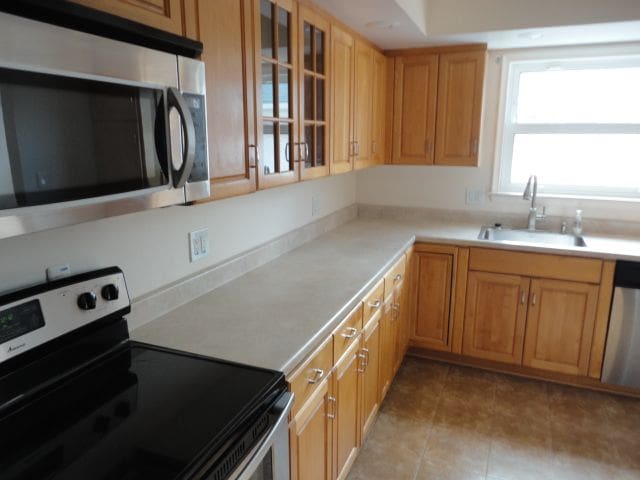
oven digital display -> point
(21, 319)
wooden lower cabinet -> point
(346, 439)
(370, 373)
(310, 436)
(495, 316)
(433, 325)
(387, 347)
(560, 323)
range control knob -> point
(110, 292)
(87, 301)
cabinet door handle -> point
(366, 353)
(375, 304)
(363, 364)
(257, 157)
(374, 147)
(534, 299)
(318, 373)
(428, 145)
(523, 298)
(334, 402)
(397, 278)
(352, 332)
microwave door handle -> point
(177, 101)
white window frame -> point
(516, 62)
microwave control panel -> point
(200, 171)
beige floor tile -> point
(455, 423)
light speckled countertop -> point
(278, 313)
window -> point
(575, 123)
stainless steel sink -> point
(508, 235)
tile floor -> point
(453, 423)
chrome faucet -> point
(531, 193)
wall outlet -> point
(474, 196)
(315, 205)
(59, 271)
(198, 244)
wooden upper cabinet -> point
(378, 140)
(276, 92)
(313, 47)
(165, 15)
(496, 310)
(460, 85)
(342, 88)
(414, 113)
(560, 326)
(229, 62)
(363, 106)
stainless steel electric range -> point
(79, 400)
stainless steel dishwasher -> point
(622, 353)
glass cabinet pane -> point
(286, 147)
(269, 147)
(267, 89)
(308, 97)
(319, 99)
(283, 35)
(319, 44)
(307, 147)
(319, 146)
(266, 28)
(284, 92)
(308, 50)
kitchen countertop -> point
(275, 315)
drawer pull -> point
(375, 304)
(352, 332)
(397, 278)
(318, 373)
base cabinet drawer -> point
(309, 376)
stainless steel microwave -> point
(92, 127)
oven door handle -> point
(254, 458)
(177, 101)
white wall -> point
(152, 246)
(450, 17)
(445, 187)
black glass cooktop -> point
(142, 412)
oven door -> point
(269, 459)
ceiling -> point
(501, 24)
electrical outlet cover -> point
(198, 244)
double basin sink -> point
(501, 234)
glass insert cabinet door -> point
(314, 97)
(276, 78)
